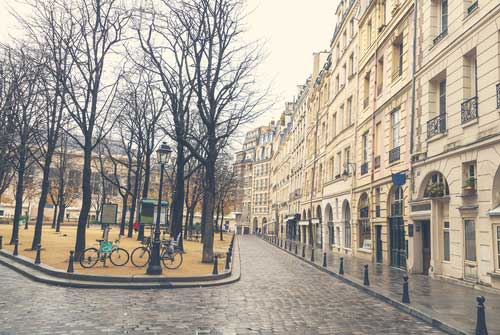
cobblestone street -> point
(277, 294)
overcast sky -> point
(291, 29)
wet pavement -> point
(277, 294)
(449, 301)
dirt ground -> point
(56, 247)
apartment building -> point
(391, 152)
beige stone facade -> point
(391, 152)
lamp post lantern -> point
(154, 266)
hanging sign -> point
(399, 179)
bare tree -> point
(224, 83)
(23, 109)
(90, 31)
(227, 183)
(7, 86)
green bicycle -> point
(118, 256)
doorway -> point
(426, 246)
(378, 238)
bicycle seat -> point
(99, 240)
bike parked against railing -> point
(170, 254)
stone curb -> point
(434, 322)
(49, 275)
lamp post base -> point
(154, 270)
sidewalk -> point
(449, 302)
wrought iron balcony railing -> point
(364, 168)
(377, 162)
(469, 110)
(440, 36)
(436, 125)
(394, 154)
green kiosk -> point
(148, 213)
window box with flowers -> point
(469, 186)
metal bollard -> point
(216, 268)
(341, 267)
(406, 293)
(285, 244)
(16, 245)
(481, 317)
(296, 248)
(290, 246)
(304, 251)
(324, 259)
(312, 254)
(37, 258)
(70, 262)
(366, 280)
(1, 238)
(227, 260)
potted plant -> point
(436, 190)
(469, 186)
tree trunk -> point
(19, 199)
(37, 237)
(222, 221)
(145, 190)
(60, 217)
(191, 218)
(135, 193)
(86, 199)
(217, 217)
(209, 207)
(124, 214)
(178, 201)
(54, 217)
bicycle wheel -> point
(89, 257)
(171, 261)
(119, 257)
(140, 257)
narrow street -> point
(277, 294)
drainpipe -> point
(312, 231)
(413, 93)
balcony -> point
(469, 110)
(440, 36)
(394, 154)
(364, 168)
(436, 126)
(365, 102)
(377, 162)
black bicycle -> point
(171, 257)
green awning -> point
(164, 203)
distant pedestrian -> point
(136, 226)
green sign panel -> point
(106, 247)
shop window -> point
(469, 176)
(365, 236)
(470, 240)
(446, 241)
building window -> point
(446, 241)
(395, 128)
(470, 240)
(347, 157)
(397, 202)
(349, 111)
(347, 226)
(341, 116)
(498, 246)
(334, 125)
(339, 163)
(369, 33)
(365, 147)
(351, 64)
(443, 15)
(366, 90)
(377, 202)
(365, 235)
(469, 105)
(380, 76)
(397, 59)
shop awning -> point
(494, 212)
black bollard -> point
(285, 244)
(290, 246)
(70, 262)
(1, 238)
(227, 260)
(296, 248)
(341, 267)
(324, 259)
(216, 268)
(481, 317)
(37, 258)
(312, 254)
(406, 293)
(366, 280)
(304, 251)
(16, 245)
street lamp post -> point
(154, 266)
